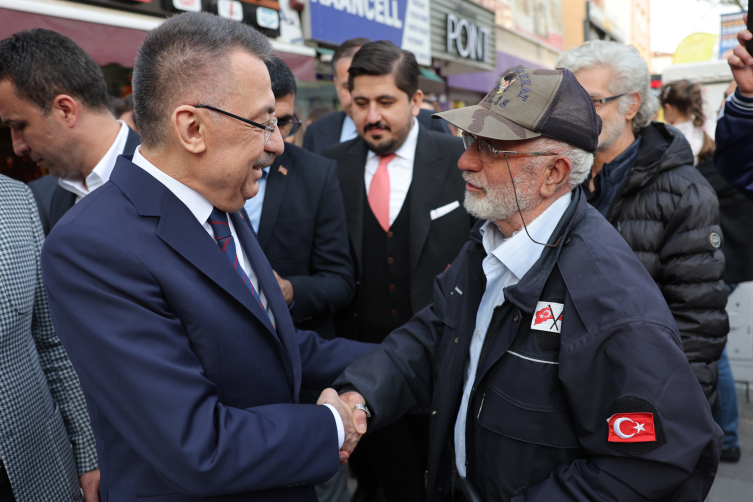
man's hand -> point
(90, 484)
(741, 63)
(359, 416)
(287, 288)
(349, 418)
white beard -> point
(497, 203)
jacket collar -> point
(274, 196)
(180, 230)
(525, 294)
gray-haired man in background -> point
(643, 181)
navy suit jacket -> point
(326, 131)
(191, 391)
(304, 234)
(53, 201)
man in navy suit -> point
(172, 317)
(299, 218)
(339, 127)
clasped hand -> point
(354, 421)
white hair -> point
(629, 74)
(581, 159)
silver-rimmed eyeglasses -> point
(486, 151)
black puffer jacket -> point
(669, 215)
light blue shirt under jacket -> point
(506, 262)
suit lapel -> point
(352, 184)
(62, 201)
(429, 173)
(179, 229)
(275, 301)
(273, 198)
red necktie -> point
(379, 192)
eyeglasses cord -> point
(515, 192)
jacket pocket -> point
(529, 423)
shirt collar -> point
(519, 253)
(199, 205)
(407, 150)
(348, 130)
(102, 171)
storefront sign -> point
(732, 24)
(462, 36)
(187, 5)
(468, 39)
(231, 9)
(404, 22)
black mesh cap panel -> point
(571, 117)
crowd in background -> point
(355, 225)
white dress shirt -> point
(101, 172)
(348, 131)
(255, 204)
(400, 170)
(506, 262)
(201, 208)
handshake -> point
(354, 421)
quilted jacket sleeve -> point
(692, 266)
(61, 377)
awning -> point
(430, 82)
(111, 36)
(104, 43)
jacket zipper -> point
(483, 346)
(483, 396)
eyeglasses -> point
(601, 101)
(289, 127)
(486, 151)
(268, 127)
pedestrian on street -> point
(683, 108)
(644, 183)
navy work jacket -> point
(541, 418)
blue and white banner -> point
(404, 22)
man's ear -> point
(556, 175)
(415, 102)
(633, 110)
(66, 109)
(189, 128)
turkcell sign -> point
(404, 22)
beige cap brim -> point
(479, 121)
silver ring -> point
(362, 407)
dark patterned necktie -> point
(221, 229)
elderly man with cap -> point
(549, 362)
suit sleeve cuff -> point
(340, 428)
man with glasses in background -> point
(299, 218)
(548, 361)
(172, 316)
(644, 183)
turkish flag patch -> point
(631, 428)
(548, 317)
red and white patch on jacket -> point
(631, 428)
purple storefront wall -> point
(482, 82)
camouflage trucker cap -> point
(533, 102)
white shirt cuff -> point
(340, 428)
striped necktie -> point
(221, 228)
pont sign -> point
(469, 38)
